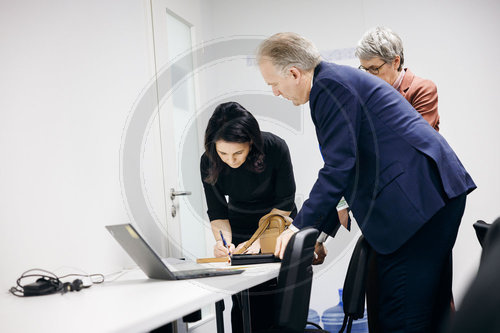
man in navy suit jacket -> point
(403, 182)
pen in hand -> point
(224, 242)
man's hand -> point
(320, 253)
(282, 241)
(221, 251)
(252, 249)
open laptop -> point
(150, 263)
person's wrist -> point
(322, 238)
(293, 228)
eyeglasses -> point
(373, 70)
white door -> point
(174, 135)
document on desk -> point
(183, 265)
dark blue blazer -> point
(393, 168)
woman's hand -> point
(253, 249)
(221, 251)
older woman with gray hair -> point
(380, 53)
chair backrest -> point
(481, 229)
(294, 281)
(353, 294)
(480, 306)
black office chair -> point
(353, 294)
(480, 308)
(481, 229)
(294, 284)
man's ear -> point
(295, 72)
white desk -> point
(132, 303)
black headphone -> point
(76, 285)
(49, 283)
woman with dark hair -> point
(246, 174)
(251, 168)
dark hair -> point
(231, 122)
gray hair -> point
(288, 49)
(381, 42)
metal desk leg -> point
(245, 308)
(219, 316)
(181, 326)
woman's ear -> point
(396, 62)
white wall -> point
(70, 73)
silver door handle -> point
(174, 193)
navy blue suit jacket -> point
(393, 168)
